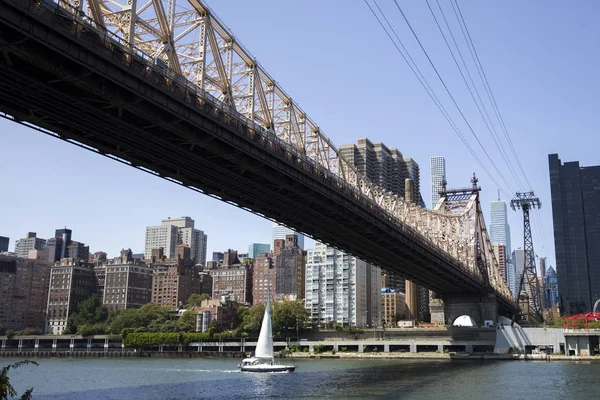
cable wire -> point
(452, 97)
(416, 71)
(490, 126)
(483, 76)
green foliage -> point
(195, 337)
(28, 332)
(10, 333)
(318, 348)
(6, 389)
(294, 349)
(343, 349)
(90, 313)
(95, 329)
(196, 299)
(594, 325)
(150, 315)
(127, 331)
(287, 316)
(138, 340)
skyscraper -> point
(383, 166)
(4, 243)
(438, 174)
(31, 242)
(258, 249)
(341, 288)
(542, 267)
(575, 194)
(550, 288)
(414, 173)
(499, 228)
(511, 279)
(290, 263)
(172, 232)
(280, 232)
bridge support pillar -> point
(479, 307)
(386, 348)
(361, 348)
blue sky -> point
(333, 58)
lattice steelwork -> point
(186, 38)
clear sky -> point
(334, 59)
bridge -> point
(166, 88)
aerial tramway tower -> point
(528, 293)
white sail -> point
(264, 347)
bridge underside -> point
(77, 87)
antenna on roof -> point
(498, 194)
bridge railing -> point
(82, 28)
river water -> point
(148, 378)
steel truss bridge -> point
(166, 88)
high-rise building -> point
(280, 232)
(174, 279)
(542, 267)
(23, 293)
(234, 282)
(4, 244)
(550, 288)
(127, 283)
(217, 257)
(500, 253)
(438, 174)
(393, 305)
(258, 249)
(341, 288)
(71, 282)
(173, 231)
(383, 166)
(499, 228)
(511, 278)
(576, 212)
(263, 279)
(414, 173)
(518, 258)
(30, 242)
(290, 265)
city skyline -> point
(513, 58)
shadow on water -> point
(369, 379)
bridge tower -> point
(528, 293)
(481, 307)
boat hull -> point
(268, 368)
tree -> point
(196, 299)
(91, 313)
(187, 322)
(287, 317)
(6, 389)
(252, 319)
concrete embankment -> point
(302, 355)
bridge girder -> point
(268, 113)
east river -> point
(147, 378)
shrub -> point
(151, 339)
(318, 348)
(343, 349)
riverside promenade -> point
(437, 342)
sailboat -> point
(264, 358)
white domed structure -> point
(464, 320)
